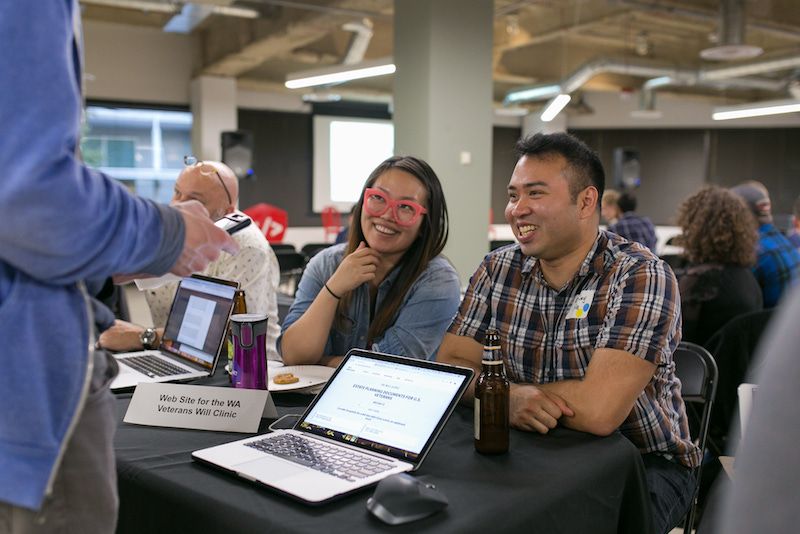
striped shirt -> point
(623, 297)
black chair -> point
(311, 249)
(291, 266)
(733, 347)
(286, 247)
(697, 371)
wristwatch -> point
(148, 338)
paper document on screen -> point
(199, 312)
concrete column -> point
(443, 110)
(213, 102)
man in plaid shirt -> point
(778, 262)
(588, 321)
(631, 226)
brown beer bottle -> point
(492, 397)
(239, 306)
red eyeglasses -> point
(405, 212)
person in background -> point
(609, 210)
(255, 267)
(63, 224)
(388, 288)
(777, 261)
(588, 321)
(341, 237)
(631, 226)
(719, 241)
(794, 232)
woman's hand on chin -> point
(356, 268)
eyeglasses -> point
(405, 212)
(206, 169)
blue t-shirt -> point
(421, 321)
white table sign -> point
(199, 407)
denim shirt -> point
(418, 328)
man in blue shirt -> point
(778, 263)
(63, 224)
(631, 226)
(794, 233)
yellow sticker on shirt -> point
(581, 305)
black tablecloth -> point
(565, 481)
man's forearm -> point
(591, 413)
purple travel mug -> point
(249, 350)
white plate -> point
(309, 375)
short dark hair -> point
(585, 166)
(627, 202)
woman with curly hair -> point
(720, 239)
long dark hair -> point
(429, 243)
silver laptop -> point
(193, 336)
(377, 415)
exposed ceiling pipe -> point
(688, 78)
(730, 34)
(583, 74)
(646, 69)
(362, 35)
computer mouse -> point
(402, 498)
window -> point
(346, 150)
(142, 148)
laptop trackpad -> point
(270, 469)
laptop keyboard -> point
(152, 366)
(337, 461)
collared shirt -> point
(636, 228)
(622, 297)
(419, 325)
(778, 264)
(256, 269)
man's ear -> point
(587, 202)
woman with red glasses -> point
(388, 288)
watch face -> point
(147, 338)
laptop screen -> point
(393, 406)
(198, 320)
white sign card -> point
(199, 407)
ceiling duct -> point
(648, 69)
(730, 35)
(362, 35)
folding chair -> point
(311, 249)
(697, 371)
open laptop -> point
(377, 415)
(194, 334)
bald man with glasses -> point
(255, 267)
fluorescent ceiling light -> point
(554, 107)
(756, 109)
(532, 93)
(340, 73)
